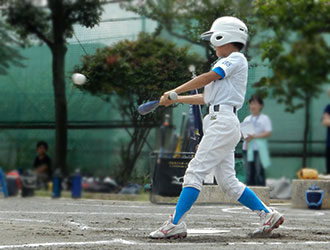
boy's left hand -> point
(165, 101)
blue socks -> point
(250, 200)
(187, 198)
(189, 195)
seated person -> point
(43, 164)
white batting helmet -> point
(226, 30)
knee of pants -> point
(193, 176)
(232, 187)
(193, 180)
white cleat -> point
(170, 231)
(268, 222)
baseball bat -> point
(150, 106)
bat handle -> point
(173, 96)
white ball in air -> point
(78, 79)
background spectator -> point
(326, 123)
(43, 164)
(255, 148)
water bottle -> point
(57, 181)
(76, 184)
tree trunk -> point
(306, 131)
(58, 66)
(131, 152)
(59, 49)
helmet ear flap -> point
(217, 39)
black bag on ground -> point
(168, 176)
(29, 183)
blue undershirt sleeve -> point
(220, 72)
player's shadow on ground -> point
(194, 239)
(217, 238)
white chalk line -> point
(110, 205)
(207, 231)
(280, 243)
(190, 231)
(297, 228)
(284, 204)
(28, 220)
(119, 241)
(302, 217)
(111, 213)
(237, 210)
(83, 226)
(230, 210)
(83, 243)
(85, 204)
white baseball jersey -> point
(231, 88)
(215, 153)
(261, 124)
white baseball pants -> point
(216, 153)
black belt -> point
(216, 108)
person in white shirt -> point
(255, 149)
(224, 92)
(326, 123)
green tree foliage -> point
(188, 19)
(53, 24)
(8, 52)
(297, 52)
(128, 74)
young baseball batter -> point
(225, 87)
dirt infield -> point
(44, 223)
